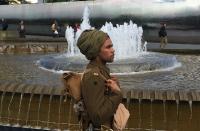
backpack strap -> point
(102, 76)
(85, 71)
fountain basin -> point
(143, 62)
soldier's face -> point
(107, 51)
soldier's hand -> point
(115, 79)
(112, 85)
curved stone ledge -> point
(138, 94)
(29, 89)
(32, 47)
(46, 107)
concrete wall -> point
(8, 35)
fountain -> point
(21, 110)
(131, 54)
(42, 107)
(28, 110)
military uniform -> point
(100, 103)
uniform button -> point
(95, 82)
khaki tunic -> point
(100, 103)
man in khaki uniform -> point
(100, 92)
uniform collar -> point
(99, 65)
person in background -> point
(76, 27)
(101, 93)
(163, 35)
(54, 29)
(4, 24)
(21, 29)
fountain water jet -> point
(49, 109)
(190, 105)
(19, 111)
(59, 110)
(27, 115)
(11, 100)
(70, 112)
(2, 98)
(164, 111)
(13, 93)
(38, 111)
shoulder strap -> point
(100, 74)
(85, 71)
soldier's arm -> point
(101, 107)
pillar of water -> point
(164, 111)
(140, 117)
(20, 105)
(49, 110)
(59, 110)
(126, 38)
(69, 35)
(190, 104)
(72, 36)
(38, 111)
(70, 112)
(13, 93)
(29, 105)
(2, 98)
(177, 108)
(151, 116)
(86, 22)
(19, 111)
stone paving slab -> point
(174, 47)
